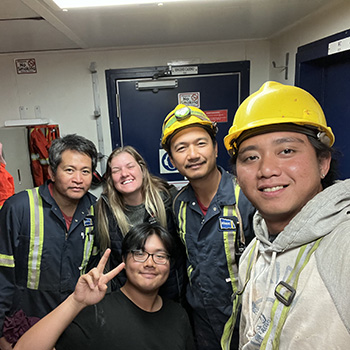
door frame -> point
(112, 75)
(313, 62)
(317, 50)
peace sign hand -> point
(92, 287)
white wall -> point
(62, 87)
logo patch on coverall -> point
(88, 222)
(227, 224)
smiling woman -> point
(132, 196)
(127, 178)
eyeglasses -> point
(142, 256)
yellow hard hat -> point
(274, 104)
(183, 116)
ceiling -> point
(38, 25)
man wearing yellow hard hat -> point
(294, 276)
(214, 220)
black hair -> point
(324, 151)
(136, 238)
(71, 142)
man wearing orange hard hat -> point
(293, 276)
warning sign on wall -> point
(219, 116)
(189, 99)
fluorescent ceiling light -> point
(67, 4)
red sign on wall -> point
(219, 116)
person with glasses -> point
(132, 318)
(214, 221)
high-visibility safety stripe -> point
(229, 243)
(88, 244)
(7, 260)
(182, 233)
(42, 161)
(182, 221)
(182, 224)
(34, 156)
(189, 272)
(280, 310)
(237, 192)
(236, 299)
(36, 238)
(230, 324)
(230, 249)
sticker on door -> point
(165, 166)
(189, 99)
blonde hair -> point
(151, 189)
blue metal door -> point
(326, 75)
(141, 108)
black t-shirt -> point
(117, 323)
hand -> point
(4, 344)
(92, 287)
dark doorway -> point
(323, 69)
